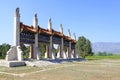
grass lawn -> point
(103, 57)
(101, 69)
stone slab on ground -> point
(12, 63)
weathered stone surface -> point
(11, 54)
(64, 55)
(14, 53)
(53, 56)
(19, 53)
(12, 63)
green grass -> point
(86, 70)
(97, 57)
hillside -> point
(106, 47)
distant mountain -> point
(106, 47)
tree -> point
(26, 50)
(88, 48)
(3, 50)
(83, 47)
(42, 48)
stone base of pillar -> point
(37, 53)
(14, 53)
(72, 55)
(59, 52)
(46, 55)
(77, 56)
(64, 55)
(47, 51)
(68, 55)
(58, 55)
(20, 53)
(53, 56)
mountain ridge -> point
(110, 47)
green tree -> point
(88, 48)
(83, 47)
(42, 48)
(3, 50)
(26, 50)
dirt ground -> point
(86, 70)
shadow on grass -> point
(58, 60)
(90, 59)
(64, 60)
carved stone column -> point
(51, 54)
(37, 52)
(15, 52)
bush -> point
(3, 50)
(104, 54)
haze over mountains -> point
(109, 47)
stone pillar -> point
(51, 54)
(75, 54)
(64, 56)
(36, 54)
(15, 52)
(69, 48)
(31, 51)
(17, 28)
(74, 51)
(60, 47)
(67, 53)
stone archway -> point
(34, 35)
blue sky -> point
(97, 20)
